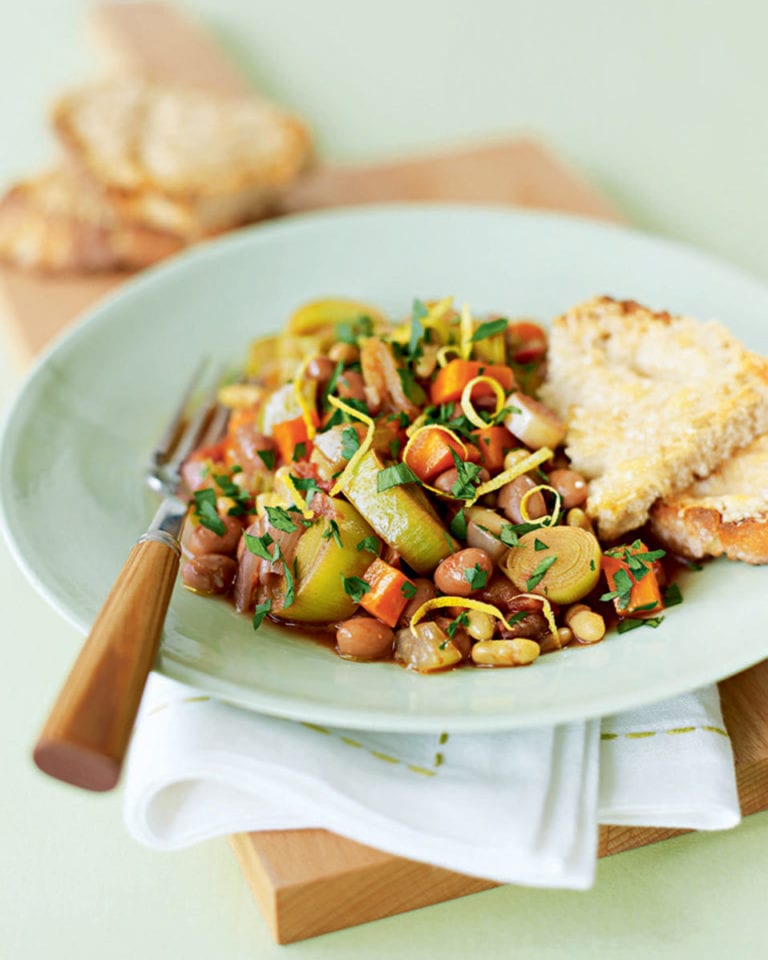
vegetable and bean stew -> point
(398, 485)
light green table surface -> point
(661, 104)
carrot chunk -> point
(389, 593)
(493, 444)
(288, 435)
(632, 583)
(455, 375)
(431, 453)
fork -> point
(86, 735)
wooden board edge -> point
(348, 889)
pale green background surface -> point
(661, 104)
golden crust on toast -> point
(652, 402)
(180, 159)
(726, 514)
(53, 222)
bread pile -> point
(146, 170)
(667, 417)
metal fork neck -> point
(166, 524)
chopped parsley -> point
(458, 525)
(230, 489)
(206, 513)
(258, 545)
(511, 532)
(672, 595)
(331, 385)
(461, 621)
(395, 476)
(262, 609)
(299, 451)
(332, 531)
(467, 478)
(408, 590)
(443, 415)
(540, 545)
(622, 591)
(489, 329)
(539, 572)
(350, 442)
(280, 520)
(267, 457)
(355, 588)
(411, 389)
(517, 617)
(290, 576)
(306, 485)
(631, 623)
(349, 331)
(636, 558)
(419, 312)
(372, 544)
(476, 577)
(340, 416)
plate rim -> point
(284, 705)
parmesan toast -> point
(726, 514)
(178, 159)
(653, 402)
(55, 223)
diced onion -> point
(466, 400)
(364, 447)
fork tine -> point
(216, 426)
(203, 428)
(170, 435)
(192, 436)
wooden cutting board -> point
(309, 882)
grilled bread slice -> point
(652, 402)
(726, 514)
(179, 159)
(55, 223)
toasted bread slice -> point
(180, 159)
(726, 514)
(54, 223)
(652, 403)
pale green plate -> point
(78, 435)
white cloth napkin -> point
(520, 807)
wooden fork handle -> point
(86, 736)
